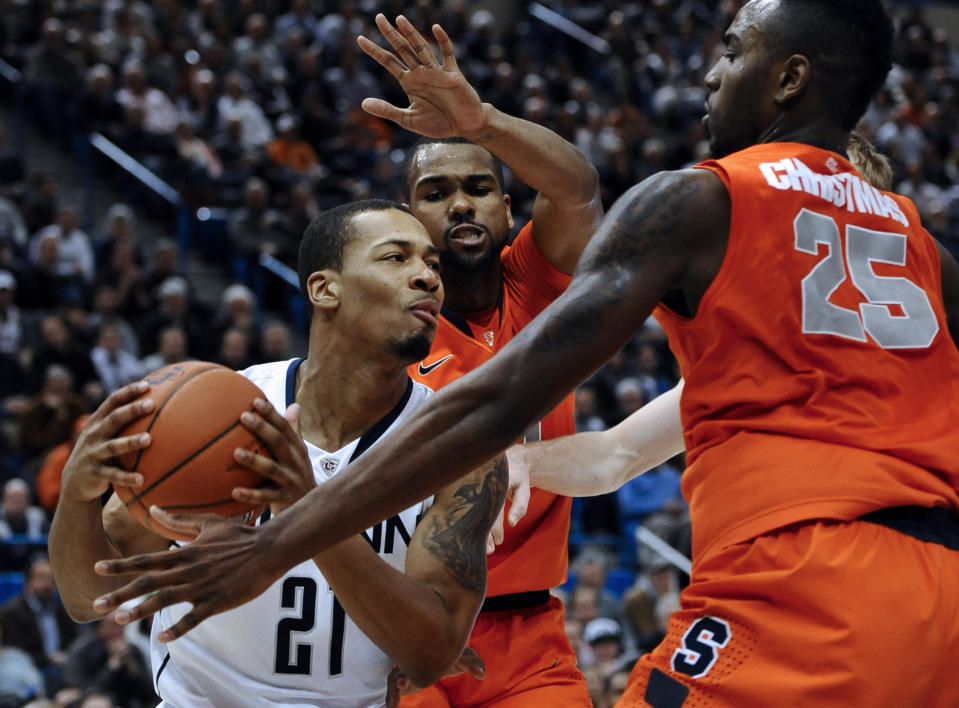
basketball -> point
(195, 426)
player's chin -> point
(413, 346)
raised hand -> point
(442, 102)
(91, 467)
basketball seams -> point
(173, 470)
(192, 376)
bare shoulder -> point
(453, 532)
(126, 534)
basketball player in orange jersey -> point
(454, 187)
(815, 324)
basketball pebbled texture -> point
(195, 426)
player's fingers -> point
(519, 503)
(292, 416)
(260, 495)
(447, 50)
(190, 524)
(115, 475)
(495, 534)
(396, 40)
(114, 447)
(121, 396)
(382, 109)
(417, 42)
(118, 418)
(387, 60)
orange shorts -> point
(826, 614)
(529, 663)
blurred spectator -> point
(18, 517)
(106, 661)
(95, 108)
(119, 224)
(587, 410)
(287, 150)
(20, 678)
(11, 320)
(176, 308)
(199, 166)
(256, 228)
(159, 113)
(74, 249)
(234, 350)
(59, 346)
(591, 567)
(276, 342)
(13, 170)
(133, 295)
(235, 103)
(303, 209)
(238, 311)
(615, 684)
(52, 74)
(106, 309)
(97, 698)
(13, 228)
(50, 474)
(39, 204)
(171, 350)
(48, 416)
(43, 288)
(164, 264)
(198, 105)
(605, 639)
(36, 621)
(115, 366)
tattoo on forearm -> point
(458, 536)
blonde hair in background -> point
(871, 163)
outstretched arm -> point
(588, 464)
(667, 233)
(568, 207)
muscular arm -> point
(587, 464)
(950, 290)
(427, 620)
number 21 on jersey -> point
(916, 328)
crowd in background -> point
(253, 107)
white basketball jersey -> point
(293, 645)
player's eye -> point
(394, 257)
(434, 196)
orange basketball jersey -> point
(821, 380)
(533, 554)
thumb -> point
(187, 524)
(520, 501)
(292, 415)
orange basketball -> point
(195, 426)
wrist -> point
(483, 131)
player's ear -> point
(794, 79)
(323, 287)
(509, 212)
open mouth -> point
(467, 235)
(428, 311)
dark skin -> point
(664, 240)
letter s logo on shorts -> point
(700, 646)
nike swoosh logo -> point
(424, 370)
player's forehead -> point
(752, 22)
(379, 228)
(450, 161)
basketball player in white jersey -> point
(328, 632)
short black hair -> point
(422, 142)
(848, 42)
(326, 237)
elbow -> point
(81, 611)
(436, 659)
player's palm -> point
(442, 102)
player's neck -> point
(472, 291)
(340, 403)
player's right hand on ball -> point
(290, 472)
(91, 467)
